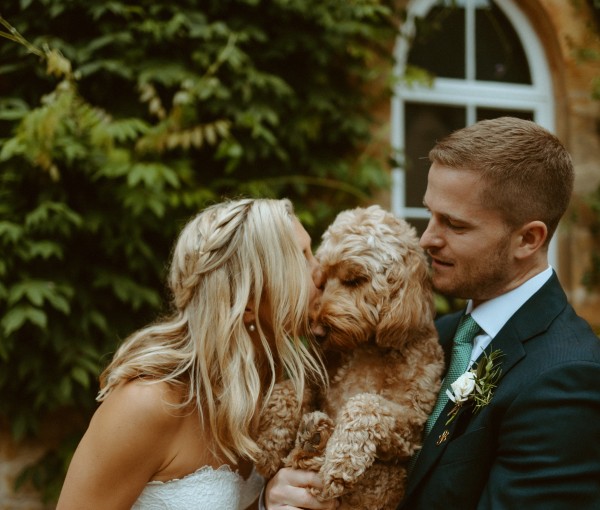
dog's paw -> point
(333, 488)
(344, 463)
(313, 433)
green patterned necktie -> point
(459, 362)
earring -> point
(252, 328)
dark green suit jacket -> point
(536, 445)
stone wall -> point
(578, 121)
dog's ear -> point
(408, 310)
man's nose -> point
(430, 237)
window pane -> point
(499, 53)
(492, 113)
(439, 46)
(424, 125)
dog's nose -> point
(318, 277)
(318, 330)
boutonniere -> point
(475, 386)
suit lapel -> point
(530, 320)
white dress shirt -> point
(492, 315)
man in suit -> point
(496, 192)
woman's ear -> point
(531, 238)
(249, 314)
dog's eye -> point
(353, 282)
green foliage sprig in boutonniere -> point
(475, 386)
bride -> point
(181, 398)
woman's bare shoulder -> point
(129, 440)
(154, 401)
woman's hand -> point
(288, 490)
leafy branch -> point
(57, 64)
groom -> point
(496, 192)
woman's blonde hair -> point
(231, 254)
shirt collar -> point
(493, 314)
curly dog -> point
(375, 321)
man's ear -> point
(531, 238)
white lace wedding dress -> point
(205, 489)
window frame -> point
(468, 93)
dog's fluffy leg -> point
(368, 425)
(381, 488)
(278, 426)
(313, 433)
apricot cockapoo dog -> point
(380, 347)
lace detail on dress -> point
(205, 489)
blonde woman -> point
(181, 397)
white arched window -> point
(486, 61)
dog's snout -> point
(319, 277)
(318, 330)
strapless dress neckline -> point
(205, 489)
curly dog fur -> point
(375, 319)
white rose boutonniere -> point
(462, 388)
(476, 386)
